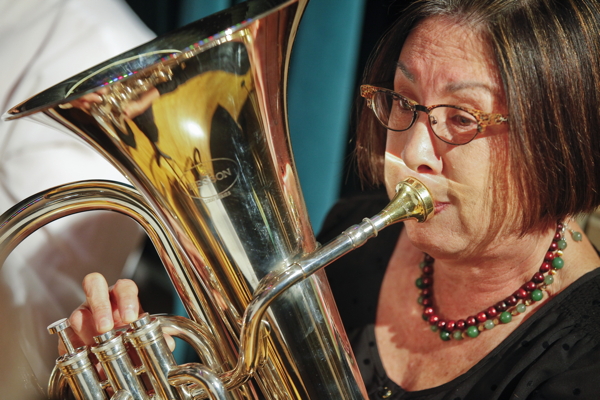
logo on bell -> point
(217, 184)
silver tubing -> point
(38, 210)
(202, 376)
(147, 338)
(112, 354)
(196, 335)
(58, 386)
(122, 395)
(77, 370)
(47, 206)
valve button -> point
(59, 327)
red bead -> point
(450, 325)
(501, 306)
(511, 301)
(549, 256)
(538, 277)
(520, 293)
(530, 286)
(428, 258)
(441, 324)
(427, 291)
(433, 319)
(545, 267)
(471, 321)
(553, 246)
(492, 312)
(426, 302)
(557, 236)
(481, 317)
(428, 269)
(428, 311)
(427, 281)
(559, 227)
(460, 324)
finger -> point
(83, 328)
(170, 341)
(124, 294)
(91, 98)
(98, 302)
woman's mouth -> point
(440, 206)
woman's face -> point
(447, 63)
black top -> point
(554, 354)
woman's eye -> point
(402, 103)
(463, 119)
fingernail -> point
(129, 315)
(104, 325)
(170, 342)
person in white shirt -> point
(44, 42)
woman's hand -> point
(105, 308)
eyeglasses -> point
(451, 124)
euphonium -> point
(196, 121)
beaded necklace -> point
(503, 311)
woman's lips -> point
(440, 206)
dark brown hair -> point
(548, 56)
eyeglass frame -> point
(483, 119)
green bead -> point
(422, 264)
(425, 317)
(521, 308)
(548, 280)
(562, 244)
(577, 236)
(505, 317)
(444, 335)
(419, 283)
(472, 331)
(537, 295)
(420, 300)
(558, 263)
(489, 324)
(433, 328)
(457, 335)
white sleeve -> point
(45, 42)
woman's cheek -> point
(395, 171)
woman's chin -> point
(423, 234)
(436, 236)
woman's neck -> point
(466, 286)
(416, 358)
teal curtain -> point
(321, 91)
(191, 10)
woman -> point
(510, 157)
(500, 193)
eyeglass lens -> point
(448, 123)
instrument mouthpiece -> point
(412, 200)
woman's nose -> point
(420, 152)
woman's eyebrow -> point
(405, 71)
(456, 86)
(451, 87)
